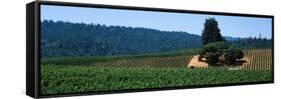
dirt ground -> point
(195, 63)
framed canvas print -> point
(85, 49)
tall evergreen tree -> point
(215, 46)
(211, 31)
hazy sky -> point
(191, 23)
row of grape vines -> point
(151, 62)
(258, 59)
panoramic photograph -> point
(86, 49)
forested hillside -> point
(78, 39)
(256, 43)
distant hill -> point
(229, 38)
(78, 39)
(252, 43)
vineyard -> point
(84, 74)
(57, 79)
(152, 62)
(258, 59)
(166, 60)
(255, 59)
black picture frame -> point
(33, 46)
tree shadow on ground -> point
(222, 64)
(239, 63)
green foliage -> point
(212, 51)
(59, 79)
(211, 32)
(231, 55)
(122, 61)
(82, 74)
(210, 48)
(256, 43)
(64, 39)
(212, 58)
(168, 59)
(214, 44)
(215, 47)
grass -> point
(58, 79)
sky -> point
(234, 26)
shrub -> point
(217, 48)
(232, 55)
(212, 58)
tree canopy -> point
(211, 31)
(215, 46)
(65, 39)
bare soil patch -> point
(195, 63)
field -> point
(258, 59)
(84, 74)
